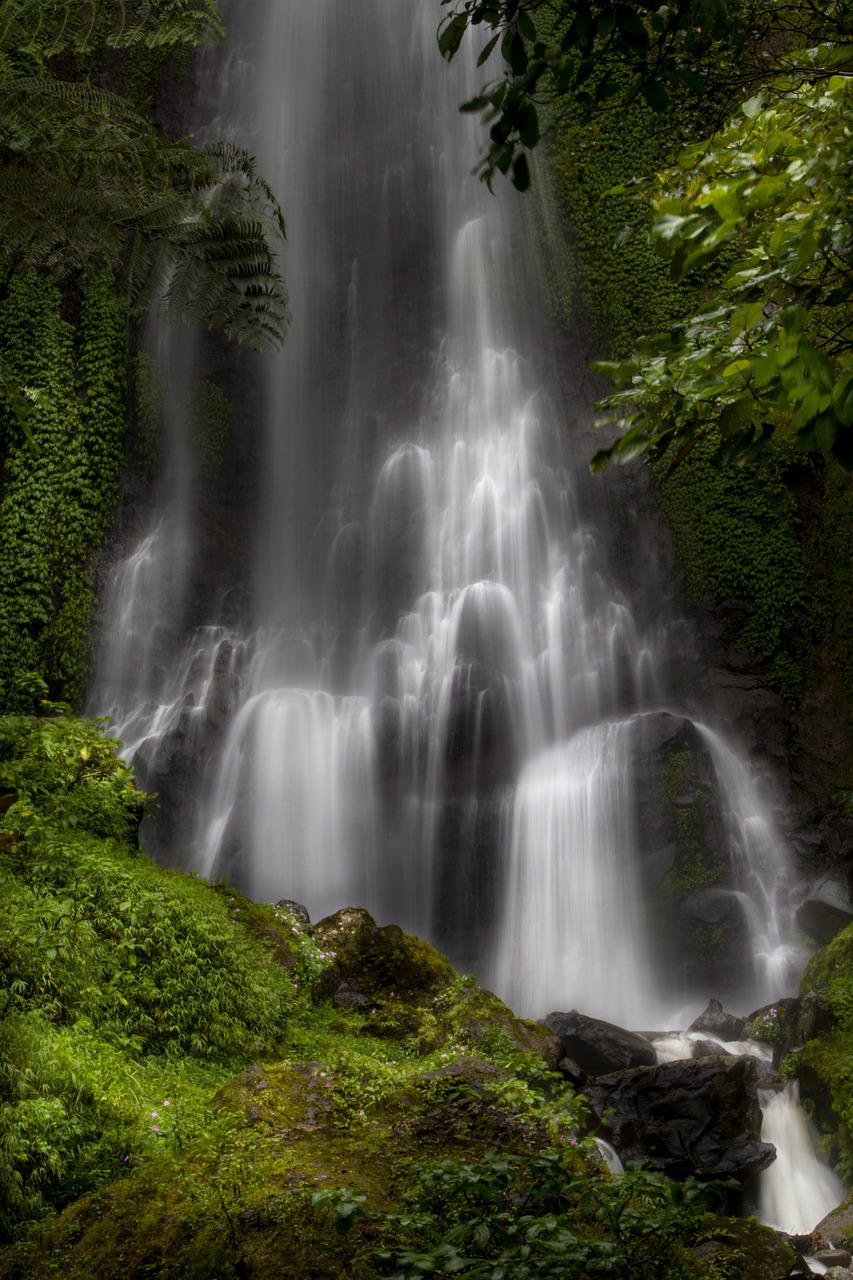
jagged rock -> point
(598, 1047)
(821, 920)
(836, 1227)
(699, 1116)
(294, 909)
(571, 1071)
(717, 1022)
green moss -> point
(825, 1066)
(737, 532)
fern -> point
(88, 183)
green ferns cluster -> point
(63, 457)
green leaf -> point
(752, 106)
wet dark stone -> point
(598, 1047)
(821, 920)
(294, 908)
(700, 1116)
(717, 1022)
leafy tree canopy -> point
(769, 188)
(87, 182)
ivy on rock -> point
(63, 464)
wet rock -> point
(756, 1252)
(571, 1071)
(836, 1227)
(294, 909)
(790, 1023)
(347, 997)
(699, 1116)
(821, 920)
(708, 1049)
(834, 1257)
(716, 1021)
(599, 1047)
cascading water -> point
(796, 1191)
(430, 703)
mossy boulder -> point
(824, 1065)
(462, 1102)
(377, 962)
(747, 1249)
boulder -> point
(294, 909)
(790, 1023)
(821, 920)
(599, 1047)
(717, 1022)
(699, 1116)
(834, 1257)
(836, 1228)
(377, 962)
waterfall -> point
(425, 701)
(570, 934)
(796, 1191)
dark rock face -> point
(717, 1022)
(821, 920)
(598, 1047)
(701, 1116)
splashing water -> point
(797, 1190)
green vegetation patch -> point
(825, 1065)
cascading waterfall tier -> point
(427, 703)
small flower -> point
(155, 1128)
(153, 1115)
(361, 1113)
(166, 1102)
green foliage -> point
(830, 1059)
(212, 420)
(554, 49)
(775, 348)
(33, 32)
(124, 984)
(61, 480)
(767, 1027)
(89, 184)
(737, 532)
(540, 1215)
